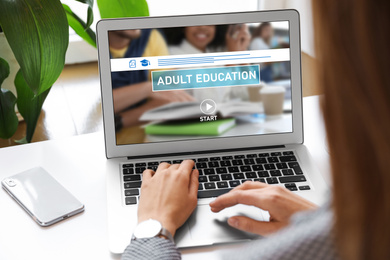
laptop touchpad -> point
(206, 225)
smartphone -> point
(41, 196)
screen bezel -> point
(206, 144)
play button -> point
(208, 106)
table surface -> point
(77, 163)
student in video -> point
(261, 40)
(132, 90)
(261, 37)
(208, 39)
(356, 108)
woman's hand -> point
(238, 38)
(169, 195)
(278, 201)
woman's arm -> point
(132, 94)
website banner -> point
(196, 60)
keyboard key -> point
(134, 184)
(233, 169)
(128, 171)
(132, 178)
(290, 158)
(213, 164)
(131, 200)
(292, 179)
(214, 178)
(140, 164)
(297, 170)
(270, 166)
(238, 176)
(200, 186)
(276, 154)
(293, 164)
(200, 172)
(140, 169)
(251, 175)
(287, 172)
(212, 193)
(306, 187)
(208, 171)
(225, 163)
(203, 179)
(239, 156)
(222, 184)
(288, 153)
(260, 180)
(263, 154)
(272, 159)
(128, 165)
(201, 165)
(167, 161)
(249, 161)
(253, 155)
(281, 166)
(153, 163)
(237, 162)
(263, 174)
(261, 160)
(275, 173)
(234, 183)
(291, 186)
(246, 168)
(227, 158)
(132, 192)
(209, 185)
(215, 158)
(151, 167)
(221, 170)
(257, 167)
(226, 177)
(203, 159)
(272, 180)
(177, 161)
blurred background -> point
(74, 106)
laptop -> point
(191, 87)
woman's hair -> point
(352, 43)
(175, 36)
(259, 29)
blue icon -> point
(145, 62)
(132, 64)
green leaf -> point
(79, 26)
(37, 31)
(8, 118)
(89, 12)
(122, 8)
(29, 104)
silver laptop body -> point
(269, 137)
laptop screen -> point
(200, 82)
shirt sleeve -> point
(310, 236)
(151, 249)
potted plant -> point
(37, 33)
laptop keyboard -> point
(218, 175)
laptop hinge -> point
(204, 152)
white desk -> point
(78, 163)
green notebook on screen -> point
(212, 128)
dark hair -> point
(175, 36)
(259, 30)
(352, 43)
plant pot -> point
(7, 54)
